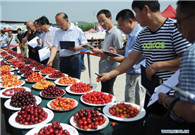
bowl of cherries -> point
(89, 120)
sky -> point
(77, 10)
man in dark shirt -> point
(20, 35)
(29, 35)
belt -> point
(69, 57)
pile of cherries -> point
(28, 73)
(52, 91)
(40, 67)
(25, 69)
(34, 64)
(8, 57)
(80, 87)
(56, 74)
(23, 98)
(30, 115)
(54, 129)
(123, 110)
(88, 119)
(97, 97)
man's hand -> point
(103, 55)
(50, 63)
(112, 50)
(39, 41)
(74, 49)
(103, 77)
(97, 51)
(151, 70)
(49, 47)
(29, 32)
(160, 97)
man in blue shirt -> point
(134, 91)
(70, 60)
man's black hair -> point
(154, 5)
(43, 20)
(186, 7)
(19, 29)
(37, 20)
(125, 14)
(65, 16)
(105, 12)
(2, 31)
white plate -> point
(56, 82)
(47, 77)
(23, 82)
(140, 115)
(13, 122)
(48, 105)
(51, 97)
(71, 92)
(19, 72)
(69, 128)
(36, 70)
(12, 69)
(22, 75)
(73, 123)
(8, 106)
(4, 96)
(113, 100)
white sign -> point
(163, 88)
(33, 43)
(44, 53)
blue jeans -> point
(70, 66)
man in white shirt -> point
(47, 38)
(70, 60)
(3, 39)
(11, 41)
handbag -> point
(158, 125)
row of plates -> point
(72, 122)
(105, 109)
(27, 89)
(56, 82)
(38, 101)
(37, 127)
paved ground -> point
(119, 84)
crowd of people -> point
(161, 44)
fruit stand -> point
(134, 127)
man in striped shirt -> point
(160, 42)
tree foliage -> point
(86, 27)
